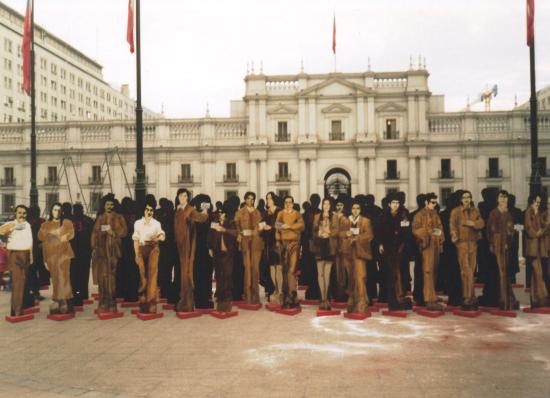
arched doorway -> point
(337, 181)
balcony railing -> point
(282, 177)
(493, 173)
(7, 182)
(446, 174)
(392, 175)
(282, 138)
(391, 135)
(95, 181)
(336, 136)
(230, 178)
(185, 179)
(545, 172)
(51, 181)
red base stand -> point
(223, 315)
(187, 315)
(204, 310)
(508, 313)
(45, 287)
(163, 301)
(119, 300)
(272, 307)
(451, 308)
(110, 315)
(398, 314)
(31, 310)
(134, 311)
(289, 311)
(148, 317)
(167, 306)
(467, 314)
(518, 285)
(328, 312)
(357, 316)
(129, 304)
(538, 310)
(95, 296)
(60, 317)
(338, 304)
(310, 302)
(87, 301)
(373, 308)
(302, 287)
(78, 308)
(380, 305)
(19, 318)
(250, 307)
(479, 285)
(429, 314)
(487, 309)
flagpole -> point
(140, 172)
(34, 191)
(534, 181)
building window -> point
(446, 171)
(51, 198)
(391, 170)
(391, 132)
(51, 179)
(283, 174)
(8, 203)
(186, 176)
(231, 194)
(53, 69)
(9, 179)
(7, 45)
(445, 194)
(282, 132)
(336, 133)
(494, 171)
(96, 175)
(231, 173)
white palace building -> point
(367, 132)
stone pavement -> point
(264, 354)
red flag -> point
(334, 35)
(26, 48)
(530, 22)
(130, 26)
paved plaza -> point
(265, 354)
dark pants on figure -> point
(18, 264)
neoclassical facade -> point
(367, 132)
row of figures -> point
(344, 250)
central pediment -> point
(391, 107)
(335, 86)
(281, 110)
(336, 108)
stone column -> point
(411, 112)
(301, 117)
(252, 133)
(313, 177)
(413, 178)
(360, 116)
(263, 179)
(262, 133)
(372, 175)
(361, 176)
(371, 129)
(423, 175)
(312, 131)
(422, 125)
(303, 181)
(253, 177)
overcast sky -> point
(196, 51)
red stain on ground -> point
(494, 345)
